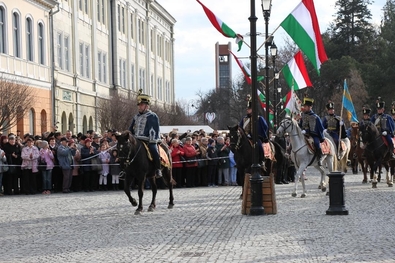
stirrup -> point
(158, 173)
(122, 175)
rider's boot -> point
(392, 154)
(158, 172)
(319, 156)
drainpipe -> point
(53, 84)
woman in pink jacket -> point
(176, 153)
(47, 156)
(30, 155)
(191, 164)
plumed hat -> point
(379, 103)
(330, 105)
(143, 98)
(308, 101)
(366, 110)
(249, 102)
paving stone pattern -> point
(205, 225)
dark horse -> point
(376, 152)
(136, 164)
(242, 149)
(356, 154)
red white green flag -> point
(302, 26)
(246, 71)
(262, 100)
(223, 28)
(292, 103)
(295, 73)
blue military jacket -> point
(384, 122)
(145, 126)
(262, 127)
(312, 124)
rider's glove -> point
(341, 122)
(303, 131)
(384, 133)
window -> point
(132, 77)
(131, 26)
(104, 61)
(102, 66)
(142, 79)
(59, 48)
(122, 72)
(41, 48)
(123, 19)
(16, 34)
(82, 59)
(152, 40)
(99, 65)
(80, 4)
(151, 92)
(141, 31)
(167, 92)
(119, 17)
(66, 43)
(2, 30)
(103, 14)
(86, 6)
(159, 91)
(87, 62)
(29, 39)
(98, 10)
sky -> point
(195, 37)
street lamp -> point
(276, 77)
(256, 179)
(273, 51)
(266, 8)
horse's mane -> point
(296, 125)
(127, 135)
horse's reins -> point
(292, 127)
(128, 161)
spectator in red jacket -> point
(177, 155)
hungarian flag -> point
(262, 100)
(222, 27)
(302, 26)
(295, 73)
(292, 103)
(246, 71)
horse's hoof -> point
(151, 209)
(170, 206)
(327, 193)
(390, 185)
(323, 189)
(241, 197)
(134, 202)
(137, 213)
(294, 194)
(374, 185)
(303, 196)
(365, 181)
(319, 186)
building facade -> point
(102, 47)
(24, 57)
(76, 52)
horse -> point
(134, 160)
(376, 152)
(356, 154)
(301, 155)
(242, 149)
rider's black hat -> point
(366, 110)
(330, 105)
(143, 98)
(308, 101)
(379, 103)
(393, 111)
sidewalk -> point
(205, 225)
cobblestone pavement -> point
(205, 225)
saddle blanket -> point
(267, 150)
(325, 147)
(164, 158)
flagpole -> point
(341, 117)
(268, 38)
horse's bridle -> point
(127, 162)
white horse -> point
(302, 157)
(342, 154)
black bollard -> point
(336, 194)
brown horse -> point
(356, 154)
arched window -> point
(71, 122)
(41, 47)
(84, 124)
(64, 122)
(20, 121)
(3, 28)
(29, 39)
(43, 121)
(16, 32)
(90, 123)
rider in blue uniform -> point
(262, 127)
(145, 126)
(385, 124)
(332, 123)
(311, 124)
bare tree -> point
(15, 101)
(116, 112)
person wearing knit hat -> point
(385, 124)
(311, 125)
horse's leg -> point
(373, 173)
(388, 175)
(298, 174)
(154, 189)
(168, 178)
(126, 188)
(141, 193)
(391, 176)
(364, 167)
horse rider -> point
(262, 127)
(385, 124)
(333, 124)
(145, 126)
(364, 122)
(311, 125)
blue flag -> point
(348, 105)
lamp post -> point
(273, 52)
(266, 8)
(256, 179)
(276, 77)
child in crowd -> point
(232, 169)
(105, 160)
(115, 169)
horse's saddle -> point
(164, 157)
(386, 143)
(325, 147)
